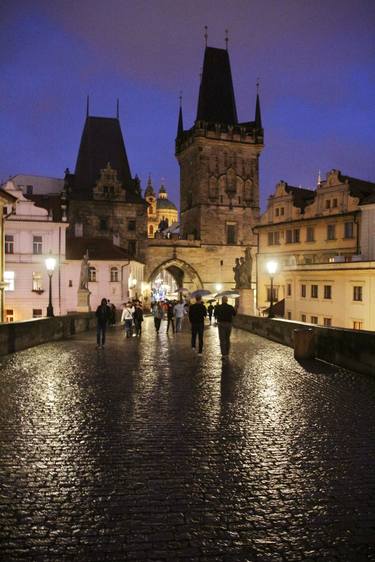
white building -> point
(31, 235)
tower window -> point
(231, 234)
(131, 225)
(103, 224)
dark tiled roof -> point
(98, 249)
(360, 188)
(216, 102)
(301, 196)
(101, 142)
(7, 196)
(50, 202)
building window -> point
(303, 290)
(314, 291)
(231, 234)
(37, 313)
(357, 293)
(103, 223)
(277, 211)
(273, 238)
(114, 274)
(37, 245)
(334, 202)
(282, 211)
(292, 236)
(303, 317)
(9, 244)
(131, 225)
(331, 234)
(37, 282)
(348, 229)
(313, 319)
(288, 236)
(289, 315)
(274, 294)
(327, 291)
(92, 274)
(132, 247)
(328, 204)
(9, 315)
(296, 235)
(9, 280)
(151, 230)
(70, 283)
(289, 289)
(327, 322)
(29, 190)
(357, 325)
(310, 234)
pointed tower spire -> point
(205, 34)
(226, 39)
(87, 106)
(258, 117)
(180, 127)
(118, 109)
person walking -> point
(103, 316)
(197, 314)
(224, 313)
(210, 310)
(170, 316)
(127, 319)
(138, 318)
(179, 312)
(158, 314)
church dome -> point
(165, 204)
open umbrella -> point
(201, 293)
(229, 293)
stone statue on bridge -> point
(242, 271)
(84, 274)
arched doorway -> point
(169, 277)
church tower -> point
(218, 158)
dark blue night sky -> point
(315, 60)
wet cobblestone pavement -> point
(146, 451)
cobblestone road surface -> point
(146, 451)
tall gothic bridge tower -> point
(218, 158)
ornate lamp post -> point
(271, 268)
(50, 265)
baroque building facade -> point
(161, 212)
(323, 243)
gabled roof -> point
(301, 196)
(98, 249)
(50, 202)
(101, 142)
(216, 102)
(364, 190)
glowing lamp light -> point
(272, 267)
(50, 265)
(218, 286)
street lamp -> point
(50, 265)
(271, 268)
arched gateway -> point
(182, 275)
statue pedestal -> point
(246, 305)
(83, 302)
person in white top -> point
(127, 318)
(179, 313)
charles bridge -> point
(146, 451)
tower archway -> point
(174, 274)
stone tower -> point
(218, 158)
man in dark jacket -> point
(103, 316)
(224, 315)
(197, 314)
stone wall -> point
(16, 336)
(351, 349)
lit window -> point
(92, 274)
(9, 244)
(357, 325)
(37, 313)
(37, 245)
(314, 291)
(9, 280)
(114, 274)
(303, 317)
(37, 281)
(9, 315)
(313, 319)
(357, 293)
(327, 291)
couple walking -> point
(224, 315)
